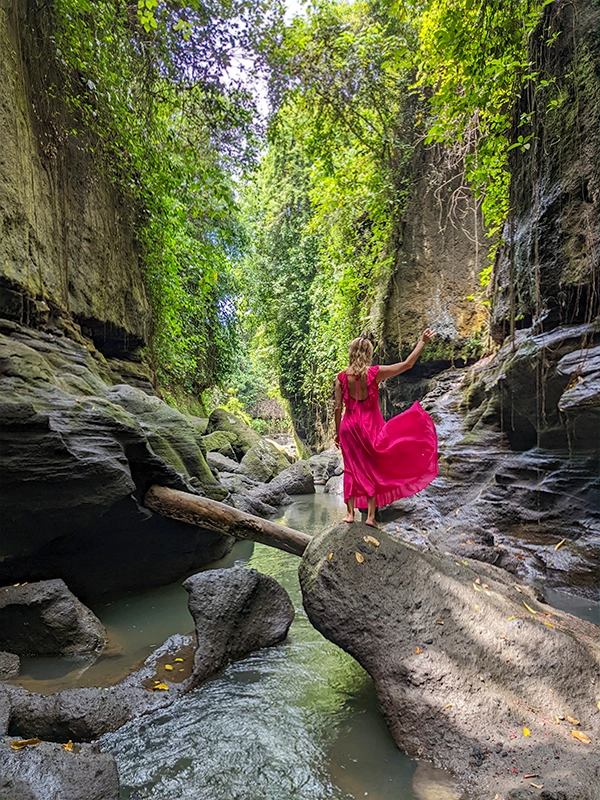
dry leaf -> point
(581, 737)
(456, 512)
(161, 685)
(510, 619)
(466, 563)
(537, 785)
(573, 721)
(517, 588)
(531, 775)
(526, 732)
(68, 746)
(19, 744)
(529, 608)
(371, 540)
(418, 650)
(560, 544)
(441, 622)
(168, 666)
(179, 659)
(598, 703)
(360, 558)
(476, 608)
(477, 588)
(448, 705)
(330, 556)
(547, 624)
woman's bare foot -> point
(371, 523)
(348, 518)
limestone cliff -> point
(68, 244)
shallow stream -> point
(294, 722)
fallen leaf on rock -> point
(330, 556)
(169, 667)
(477, 588)
(537, 785)
(560, 544)
(360, 558)
(19, 744)
(526, 732)
(68, 746)
(532, 775)
(179, 659)
(476, 608)
(510, 619)
(448, 705)
(371, 540)
(466, 563)
(547, 624)
(456, 512)
(517, 588)
(529, 608)
(162, 686)
(441, 622)
(573, 721)
(418, 650)
(581, 737)
(598, 704)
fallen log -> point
(223, 519)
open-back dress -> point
(391, 459)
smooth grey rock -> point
(221, 463)
(10, 665)
(335, 485)
(5, 710)
(325, 465)
(458, 660)
(220, 442)
(295, 479)
(48, 772)
(263, 461)
(235, 612)
(271, 494)
(45, 618)
(252, 505)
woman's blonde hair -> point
(360, 356)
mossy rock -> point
(263, 461)
(245, 437)
(219, 442)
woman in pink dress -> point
(383, 461)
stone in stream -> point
(220, 442)
(49, 772)
(463, 660)
(325, 465)
(263, 461)
(10, 665)
(244, 437)
(45, 618)
(235, 612)
(295, 479)
(221, 463)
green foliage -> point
(473, 63)
(152, 89)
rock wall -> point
(442, 249)
(68, 242)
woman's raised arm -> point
(390, 370)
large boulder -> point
(263, 461)
(244, 437)
(221, 463)
(220, 442)
(296, 479)
(235, 612)
(78, 454)
(471, 671)
(46, 619)
(48, 771)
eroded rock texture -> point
(79, 451)
(463, 660)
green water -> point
(294, 722)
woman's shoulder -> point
(342, 377)
(372, 373)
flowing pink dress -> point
(391, 459)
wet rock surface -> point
(325, 465)
(45, 618)
(50, 772)
(10, 666)
(235, 611)
(471, 671)
(78, 455)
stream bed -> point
(294, 722)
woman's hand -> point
(337, 441)
(427, 335)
